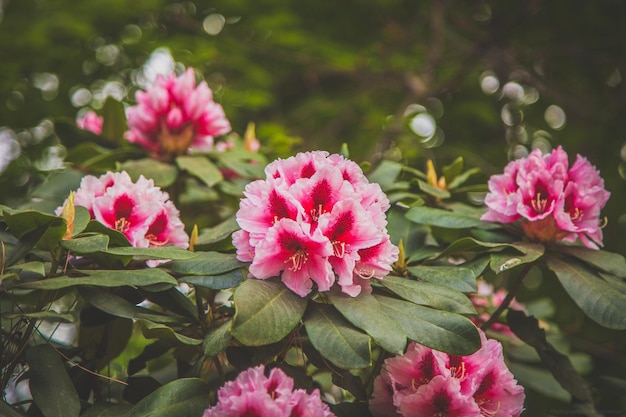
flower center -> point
(298, 259)
(122, 225)
(339, 248)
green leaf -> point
(50, 385)
(163, 332)
(217, 233)
(205, 263)
(336, 339)
(104, 278)
(118, 306)
(163, 252)
(81, 219)
(87, 244)
(597, 298)
(201, 167)
(217, 339)
(442, 218)
(385, 174)
(450, 172)
(503, 261)
(43, 315)
(34, 267)
(440, 330)
(24, 222)
(612, 263)
(432, 190)
(114, 125)
(365, 313)
(161, 173)
(427, 294)
(215, 282)
(462, 178)
(115, 238)
(266, 312)
(458, 278)
(180, 398)
(102, 409)
(471, 245)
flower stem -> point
(517, 283)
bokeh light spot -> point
(555, 117)
(213, 23)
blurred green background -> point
(398, 79)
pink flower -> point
(254, 394)
(315, 219)
(90, 121)
(425, 382)
(174, 115)
(487, 300)
(550, 201)
(139, 210)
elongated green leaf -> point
(505, 260)
(43, 315)
(22, 223)
(442, 218)
(266, 312)
(201, 167)
(117, 306)
(107, 410)
(336, 339)
(458, 278)
(428, 294)
(23, 246)
(205, 263)
(462, 178)
(115, 238)
(440, 330)
(215, 282)
(102, 278)
(114, 121)
(161, 173)
(87, 244)
(180, 398)
(173, 300)
(34, 267)
(81, 219)
(50, 385)
(612, 263)
(163, 252)
(385, 174)
(8, 411)
(598, 299)
(163, 332)
(432, 190)
(470, 245)
(453, 170)
(217, 233)
(217, 339)
(365, 313)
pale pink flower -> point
(487, 300)
(315, 217)
(254, 394)
(139, 210)
(174, 115)
(90, 121)
(425, 382)
(550, 201)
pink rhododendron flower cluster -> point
(551, 201)
(426, 383)
(253, 393)
(90, 121)
(315, 216)
(174, 115)
(139, 210)
(486, 300)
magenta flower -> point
(90, 121)
(425, 382)
(174, 115)
(139, 210)
(550, 201)
(254, 394)
(315, 219)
